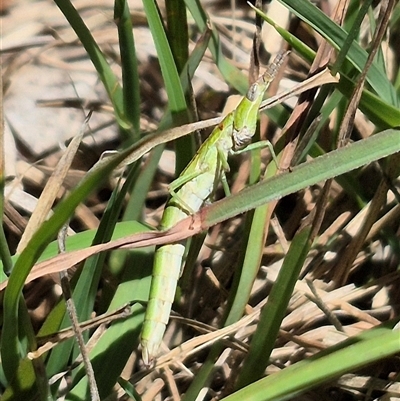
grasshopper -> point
(189, 191)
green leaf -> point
(130, 75)
(176, 97)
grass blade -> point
(274, 311)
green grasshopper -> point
(188, 193)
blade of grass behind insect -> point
(178, 39)
(347, 356)
(274, 311)
(230, 73)
(108, 78)
(130, 75)
(306, 52)
(11, 352)
(248, 264)
(335, 35)
(252, 247)
(378, 111)
(176, 95)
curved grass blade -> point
(176, 96)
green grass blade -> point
(176, 94)
(179, 41)
(141, 186)
(352, 35)
(248, 263)
(274, 311)
(22, 387)
(306, 52)
(176, 97)
(231, 74)
(130, 75)
(178, 32)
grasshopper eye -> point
(252, 92)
